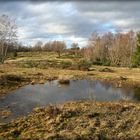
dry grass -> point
(38, 74)
(77, 120)
(73, 120)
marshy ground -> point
(73, 120)
(36, 67)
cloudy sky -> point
(72, 21)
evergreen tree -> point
(136, 56)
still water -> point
(22, 101)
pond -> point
(22, 101)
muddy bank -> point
(77, 120)
(119, 77)
(9, 82)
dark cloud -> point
(70, 20)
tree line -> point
(111, 49)
(115, 49)
(51, 46)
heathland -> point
(71, 120)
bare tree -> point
(115, 49)
(8, 35)
(59, 47)
(122, 49)
(75, 48)
(47, 47)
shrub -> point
(15, 54)
(136, 58)
(84, 64)
(66, 64)
(97, 61)
(103, 62)
(27, 64)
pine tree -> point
(136, 56)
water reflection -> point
(22, 101)
(137, 93)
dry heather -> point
(73, 120)
(78, 120)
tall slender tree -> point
(8, 35)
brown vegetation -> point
(64, 79)
(39, 73)
(77, 120)
(111, 49)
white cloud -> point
(55, 28)
(81, 41)
(70, 21)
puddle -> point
(22, 101)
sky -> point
(70, 21)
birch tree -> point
(8, 35)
